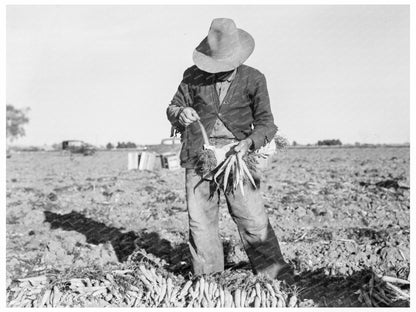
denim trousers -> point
(247, 211)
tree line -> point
(16, 119)
(110, 146)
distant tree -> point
(294, 143)
(15, 121)
(131, 145)
(126, 145)
(329, 142)
(109, 146)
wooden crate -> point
(170, 161)
(147, 161)
(141, 160)
(132, 160)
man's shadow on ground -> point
(316, 285)
(123, 243)
(126, 243)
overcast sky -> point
(107, 73)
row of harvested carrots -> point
(150, 289)
(202, 293)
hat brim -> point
(238, 57)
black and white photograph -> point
(207, 155)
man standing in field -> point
(231, 100)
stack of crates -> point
(147, 161)
(141, 161)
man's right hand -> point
(188, 116)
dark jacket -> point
(245, 110)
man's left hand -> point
(243, 147)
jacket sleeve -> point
(181, 99)
(264, 128)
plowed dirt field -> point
(338, 213)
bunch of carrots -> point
(223, 165)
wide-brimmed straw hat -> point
(225, 48)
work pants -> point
(247, 211)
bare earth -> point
(338, 213)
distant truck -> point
(171, 141)
(78, 147)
